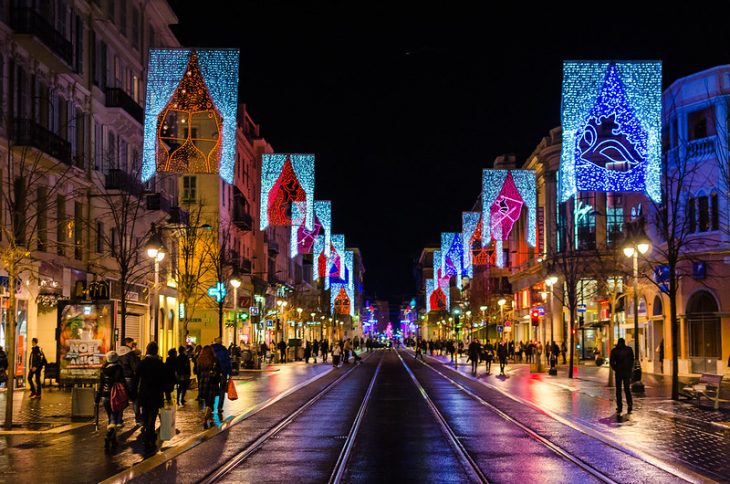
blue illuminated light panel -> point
(272, 165)
(452, 248)
(430, 287)
(629, 160)
(469, 222)
(348, 285)
(323, 213)
(165, 70)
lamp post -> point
(156, 251)
(299, 332)
(635, 246)
(501, 302)
(484, 321)
(550, 281)
(282, 309)
(235, 283)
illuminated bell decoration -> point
(503, 194)
(611, 121)
(190, 112)
(287, 190)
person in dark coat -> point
(502, 354)
(307, 351)
(3, 366)
(282, 351)
(182, 374)
(474, 349)
(315, 350)
(622, 362)
(325, 350)
(209, 380)
(170, 364)
(111, 374)
(129, 361)
(36, 363)
(151, 380)
(224, 360)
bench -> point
(708, 386)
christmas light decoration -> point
(190, 112)
(503, 194)
(469, 222)
(342, 293)
(287, 187)
(451, 256)
(611, 121)
(320, 257)
(302, 240)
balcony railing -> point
(29, 133)
(121, 180)
(701, 148)
(178, 216)
(157, 201)
(28, 21)
(117, 98)
(242, 220)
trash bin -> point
(82, 402)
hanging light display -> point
(287, 190)
(342, 292)
(302, 240)
(452, 250)
(611, 122)
(190, 112)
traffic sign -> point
(500, 328)
(581, 308)
(508, 329)
(541, 309)
(253, 310)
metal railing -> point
(29, 133)
(117, 179)
(116, 97)
(28, 21)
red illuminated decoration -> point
(480, 255)
(438, 300)
(189, 127)
(342, 302)
(506, 209)
(286, 190)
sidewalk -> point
(78, 450)
(669, 430)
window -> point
(111, 150)
(114, 241)
(614, 218)
(20, 191)
(692, 215)
(714, 213)
(585, 221)
(60, 225)
(110, 9)
(2, 87)
(78, 40)
(42, 209)
(98, 145)
(135, 27)
(190, 188)
(123, 17)
(704, 213)
(78, 230)
(99, 237)
(151, 38)
(80, 143)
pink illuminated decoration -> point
(506, 209)
(335, 270)
(305, 238)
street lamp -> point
(282, 309)
(235, 283)
(637, 244)
(300, 331)
(550, 281)
(156, 251)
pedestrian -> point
(263, 349)
(325, 350)
(474, 349)
(315, 350)
(182, 374)
(209, 373)
(150, 383)
(196, 354)
(489, 356)
(336, 353)
(282, 351)
(502, 353)
(660, 350)
(347, 347)
(111, 374)
(224, 360)
(3, 367)
(36, 362)
(622, 362)
(170, 378)
(129, 361)
(419, 349)
(307, 351)
(564, 351)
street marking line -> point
(679, 471)
(194, 440)
(56, 430)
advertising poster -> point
(85, 336)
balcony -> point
(117, 98)
(29, 133)
(701, 148)
(242, 220)
(157, 201)
(178, 216)
(116, 179)
(246, 266)
(42, 40)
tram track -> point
(557, 449)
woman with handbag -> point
(114, 395)
(209, 380)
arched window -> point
(703, 327)
(657, 307)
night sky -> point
(403, 106)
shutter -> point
(134, 326)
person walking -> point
(224, 360)
(489, 356)
(36, 362)
(474, 349)
(282, 351)
(336, 353)
(3, 367)
(564, 352)
(419, 350)
(325, 350)
(111, 374)
(315, 350)
(151, 380)
(502, 354)
(307, 351)
(347, 347)
(622, 363)
(182, 374)
(209, 374)
(129, 361)
(170, 378)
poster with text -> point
(85, 336)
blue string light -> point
(452, 255)
(271, 169)
(469, 222)
(611, 121)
